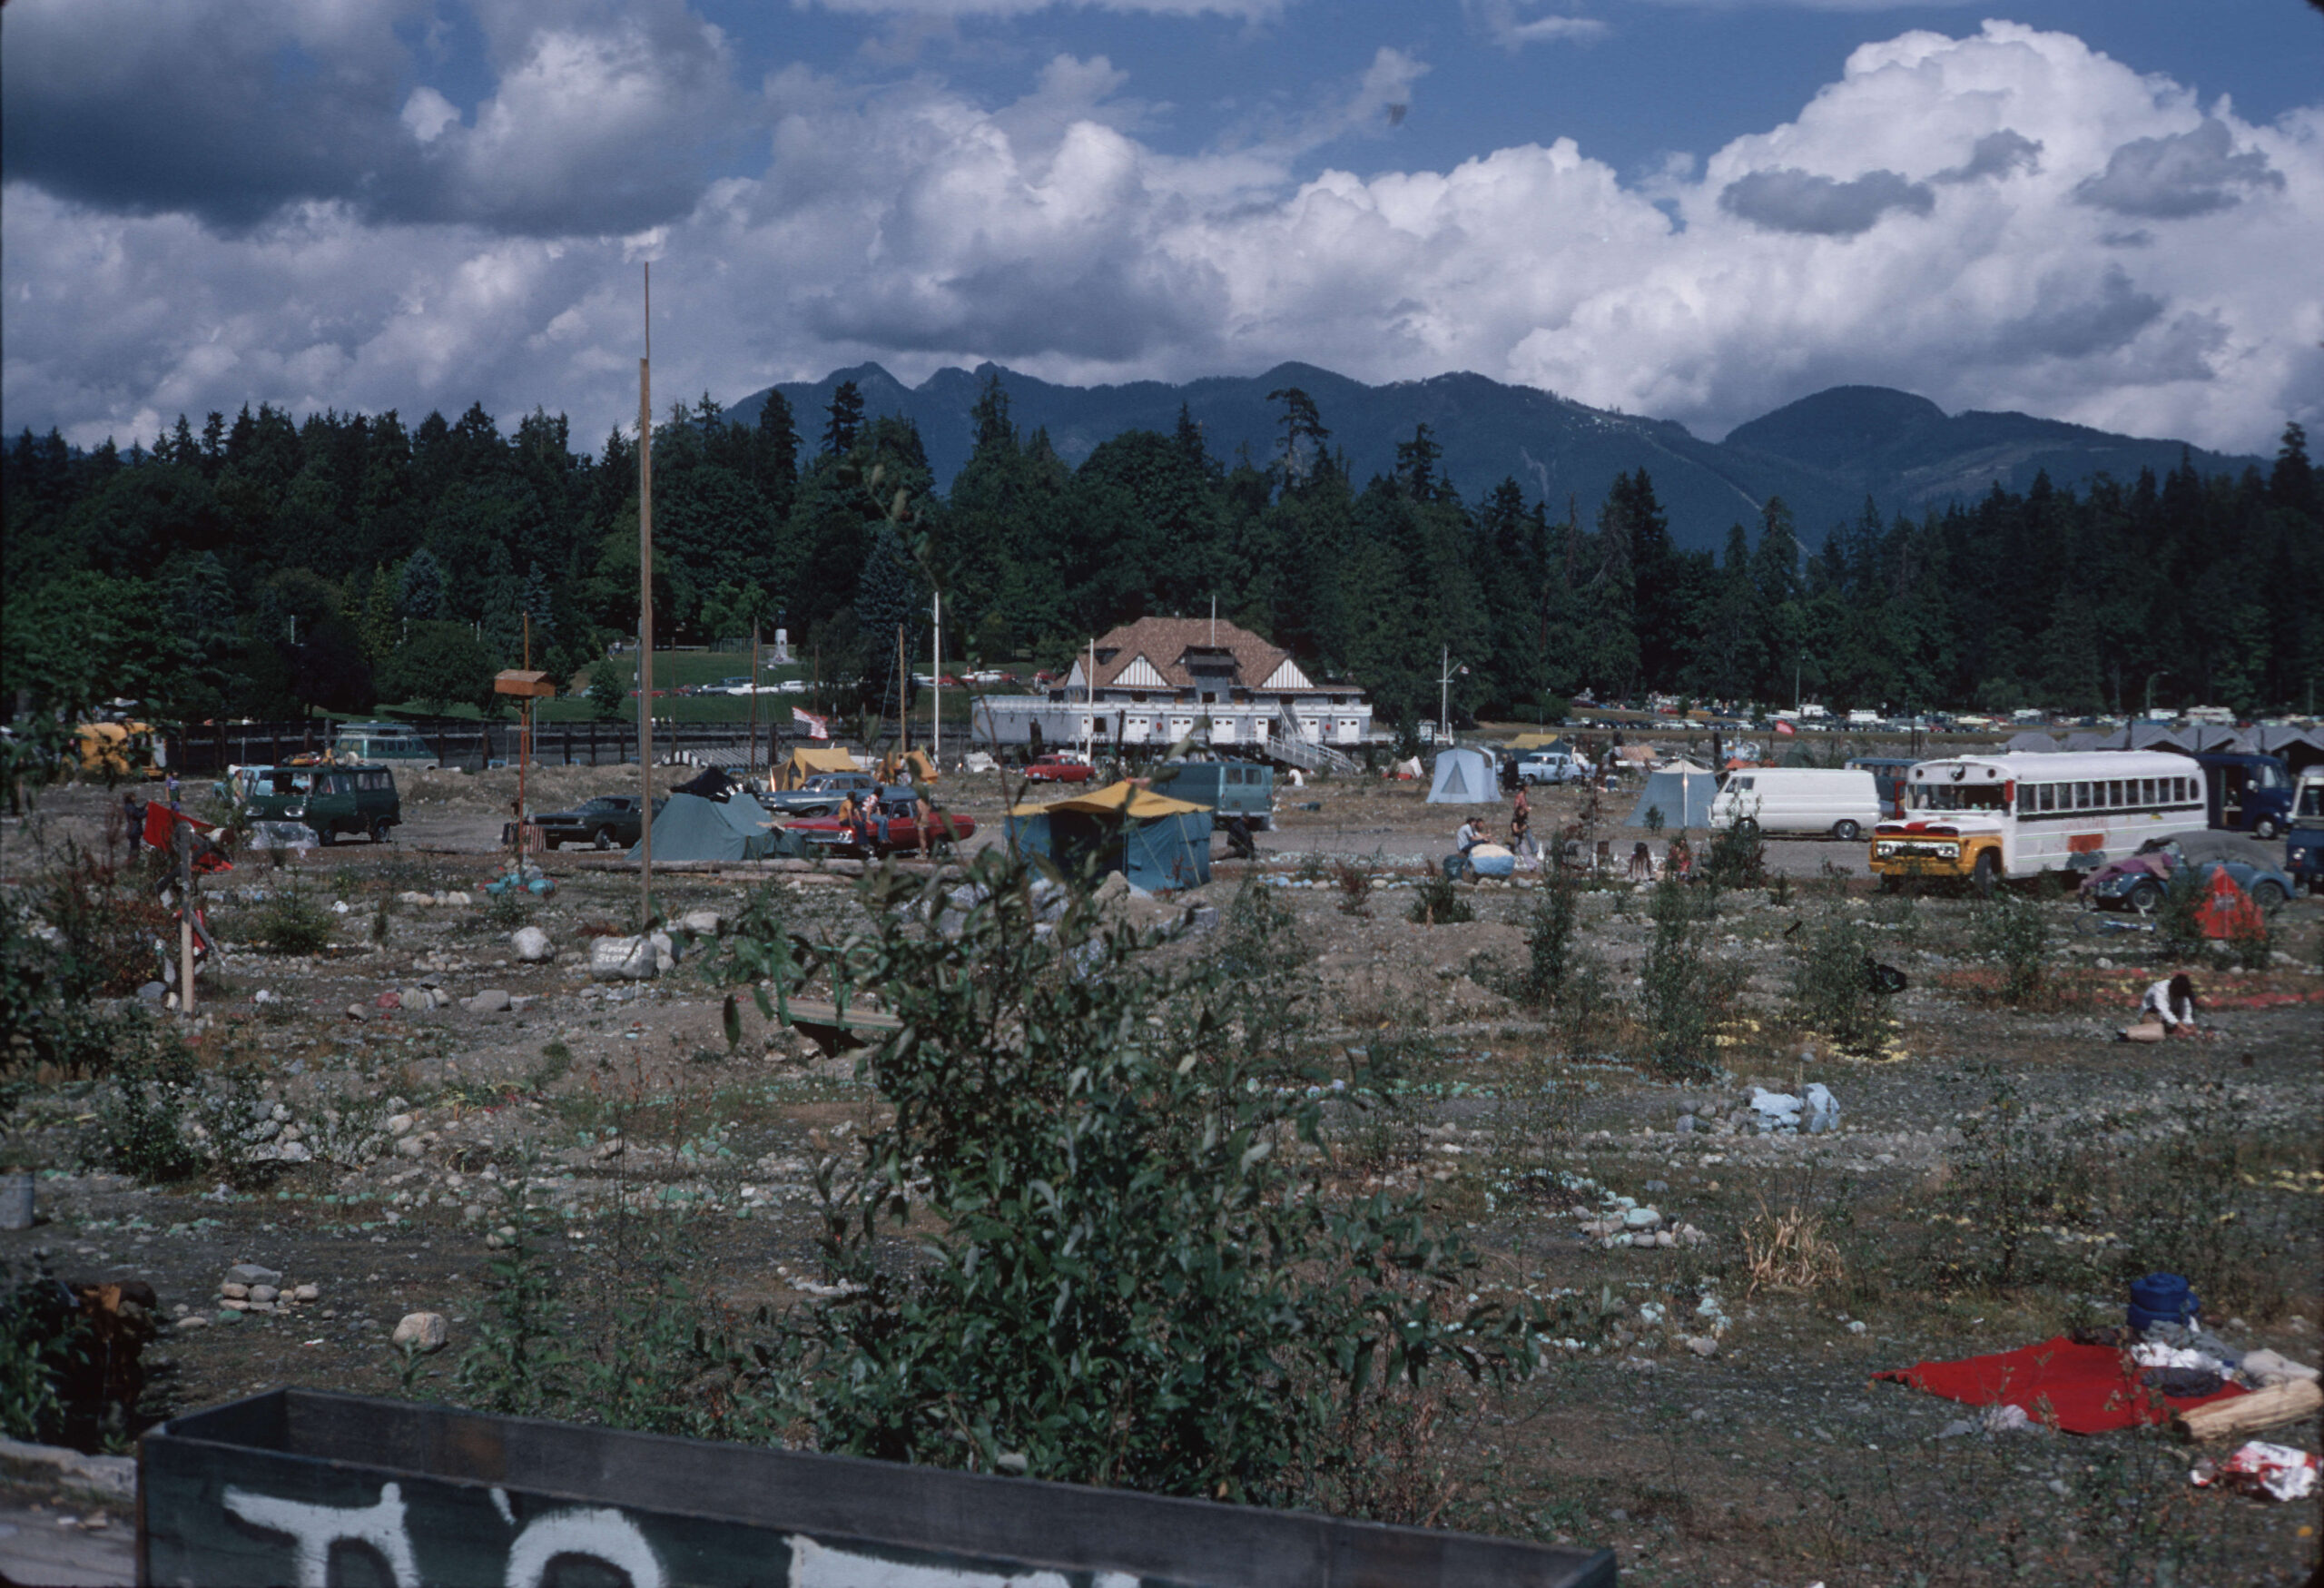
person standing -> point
(1521, 821)
(133, 815)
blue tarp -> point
(1158, 853)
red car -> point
(1060, 769)
(829, 836)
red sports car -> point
(1060, 769)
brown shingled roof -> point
(1165, 642)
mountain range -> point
(1825, 455)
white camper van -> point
(1804, 800)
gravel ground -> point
(1772, 1459)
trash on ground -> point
(2276, 1471)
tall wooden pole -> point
(751, 761)
(646, 613)
(524, 749)
(903, 703)
(183, 832)
(936, 671)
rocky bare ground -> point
(404, 1088)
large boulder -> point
(532, 945)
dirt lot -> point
(1996, 1171)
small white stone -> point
(307, 1292)
(398, 1124)
(422, 1331)
(532, 944)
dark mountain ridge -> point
(1822, 454)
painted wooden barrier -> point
(298, 1486)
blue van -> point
(2247, 793)
(1230, 788)
(2304, 849)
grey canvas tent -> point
(693, 828)
(2300, 748)
(2031, 744)
(1463, 777)
(1681, 791)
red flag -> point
(1786, 729)
(817, 727)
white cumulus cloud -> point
(2007, 219)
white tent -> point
(1681, 791)
(1463, 777)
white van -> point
(1799, 800)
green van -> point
(381, 742)
(1230, 788)
(356, 801)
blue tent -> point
(1157, 843)
(1682, 791)
(1463, 777)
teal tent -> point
(693, 828)
(1156, 843)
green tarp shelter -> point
(693, 828)
(1156, 843)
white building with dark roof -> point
(1162, 680)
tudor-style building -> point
(1159, 679)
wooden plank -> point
(434, 1496)
(2249, 1413)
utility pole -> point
(183, 832)
(751, 761)
(645, 614)
(1444, 696)
(936, 670)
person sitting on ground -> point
(1238, 838)
(1641, 863)
(2168, 1010)
(1678, 860)
(1469, 836)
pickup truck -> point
(1060, 769)
(821, 794)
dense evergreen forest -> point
(267, 564)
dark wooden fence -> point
(300, 1485)
(475, 746)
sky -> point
(2103, 211)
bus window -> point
(2146, 790)
(2049, 796)
(2267, 775)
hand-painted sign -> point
(328, 1491)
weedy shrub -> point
(2251, 940)
(1684, 991)
(2012, 934)
(167, 1116)
(506, 910)
(1549, 948)
(1832, 991)
(1356, 888)
(1438, 903)
(292, 922)
(2008, 1178)
(1735, 857)
(1122, 1280)
(2178, 918)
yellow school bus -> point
(1991, 817)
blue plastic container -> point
(2162, 1298)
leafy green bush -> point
(166, 1116)
(1685, 991)
(2178, 919)
(1736, 856)
(1437, 903)
(70, 1365)
(1550, 947)
(2013, 935)
(1126, 1275)
(292, 922)
(1832, 991)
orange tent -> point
(2227, 910)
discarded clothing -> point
(2084, 1389)
(2181, 1383)
(2270, 1367)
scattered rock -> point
(422, 1332)
(263, 1293)
(307, 1293)
(356, 1011)
(254, 1274)
(622, 959)
(532, 945)
(153, 992)
(233, 1291)
(398, 1124)
(491, 1001)
(702, 923)
(1702, 1345)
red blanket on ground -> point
(2084, 1389)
